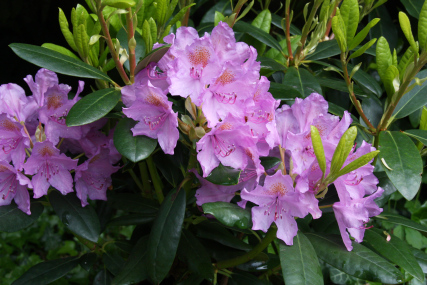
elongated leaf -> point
(343, 149)
(103, 277)
(361, 50)
(403, 162)
(405, 25)
(57, 62)
(276, 20)
(93, 107)
(339, 85)
(420, 135)
(258, 34)
(270, 64)
(134, 270)
(195, 254)
(229, 214)
(82, 221)
(165, 235)
(60, 49)
(153, 56)
(299, 262)
(302, 81)
(359, 162)
(13, 219)
(382, 29)
(325, 49)
(269, 162)
(413, 7)
(421, 258)
(139, 49)
(47, 272)
(361, 262)
(316, 140)
(224, 175)
(362, 34)
(134, 203)
(422, 27)
(337, 28)
(283, 91)
(399, 220)
(394, 250)
(134, 148)
(218, 233)
(132, 219)
(413, 100)
(350, 14)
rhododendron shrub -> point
(221, 152)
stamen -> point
(226, 97)
(221, 148)
(155, 122)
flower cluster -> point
(242, 122)
(34, 139)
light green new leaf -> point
(362, 34)
(359, 162)
(405, 60)
(420, 135)
(405, 25)
(422, 27)
(60, 49)
(361, 50)
(339, 33)
(343, 149)
(350, 14)
(121, 4)
(391, 80)
(316, 140)
(218, 17)
(63, 24)
(384, 58)
(229, 214)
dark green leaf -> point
(258, 34)
(339, 111)
(413, 7)
(102, 278)
(413, 100)
(399, 220)
(276, 20)
(325, 49)
(403, 163)
(113, 260)
(134, 270)
(93, 107)
(224, 175)
(134, 203)
(217, 232)
(165, 235)
(394, 250)
(420, 135)
(132, 219)
(82, 221)
(229, 214)
(282, 91)
(241, 278)
(13, 219)
(339, 85)
(194, 253)
(302, 81)
(87, 260)
(57, 62)
(269, 162)
(361, 262)
(46, 272)
(385, 27)
(299, 262)
(134, 148)
(421, 258)
(269, 64)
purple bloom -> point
(15, 103)
(155, 117)
(13, 185)
(49, 167)
(93, 177)
(352, 215)
(280, 202)
(43, 81)
(13, 141)
(227, 143)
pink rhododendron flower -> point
(13, 186)
(44, 80)
(155, 117)
(49, 167)
(13, 141)
(14, 103)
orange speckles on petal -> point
(200, 56)
(155, 100)
(95, 158)
(3, 168)
(46, 150)
(9, 125)
(54, 101)
(226, 77)
(278, 188)
(226, 126)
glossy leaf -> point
(299, 262)
(269, 162)
(93, 107)
(121, 4)
(82, 221)
(421, 258)
(57, 62)
(47, 272)
(139, 49)
(229, 214)
(103, 277)
(165, 235)
(342, 150)
(413, 100)
(134, 203)
(153, 56)
(13, 219)
(350, 14)
(361, 262)
(382, 29)
(405, 25)
(134, 148)
(362, 50)
(394, 250)
(270, 64)
(358, 162)
(413, 7)
(420, 135)
(134, 270)
(224, 175)
(283, 91)
(218, 233)
(339, 33)
(325, 49)
(132, 219)
(60, 49)
(316, 140)
(195, 255)
(400, 220)
(362, 34)
(403, 162)
(302, 82)
(258, 34)
(276, 20)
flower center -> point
(221, 148)
(155, 122)
(226, 97)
